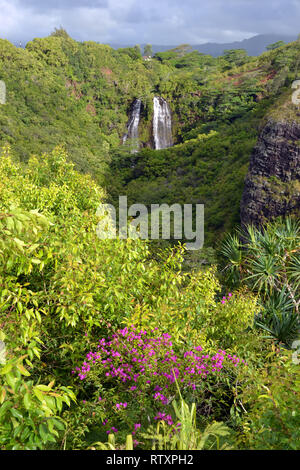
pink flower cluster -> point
(146, 366)
(223, 301)
(139, 359)
(164, 417)
(119, 405)
(112, 429)
(136, 427)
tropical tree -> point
(267, 260)
(61, 33)
(275, 45)
(138, 49)
(148, 50)
(235, 56)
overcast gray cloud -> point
(155, 21)
(60, 5)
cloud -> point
(167, 22)
(37, 5)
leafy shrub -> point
(230, 320)
(277, 318)
(133, 376)
(267, 261)
(29, 412)
(183, 435)
(271, 395)
(180, 311)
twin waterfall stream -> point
(133, 124)
(162, 124)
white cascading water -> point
(162, 124)
(133, 124)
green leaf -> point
(44, 388)
(16, 413)
(39, 394)
(5, 407)
(27, 401)
(2, 395)
(43, 430)
(6, 369)
(58, 424)
(22, 369)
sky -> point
(163, 22)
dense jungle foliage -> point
(122, 344)
(61, 92)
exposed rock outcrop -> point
(272, 186)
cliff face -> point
(272, 186)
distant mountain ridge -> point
(254, 46)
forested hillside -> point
(80, 95)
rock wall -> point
(272, 186)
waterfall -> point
(133, 123)
(2, 92)
(162, 124)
